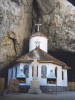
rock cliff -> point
(58, 20)
(18, 18)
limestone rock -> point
(58, 23)
(15, 27)
(16, 17)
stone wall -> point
(71, 86)
(49, 89)
(53, 89)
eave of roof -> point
(41, 56)
(38, 34)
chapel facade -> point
(51, 72)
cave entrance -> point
(69, 59)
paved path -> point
(58, 96)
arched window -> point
(56, 72)
(62, 75)
(15, 71)
(32, 71)
(26, 71)
(43, 71)
(12, 73)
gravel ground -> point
(43, 96)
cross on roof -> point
(38, 27)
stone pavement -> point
(43, 96)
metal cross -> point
(38, 27)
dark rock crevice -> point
(72, 1)
(36, 10)
(36, 15)
(12, 36)
(69, 59)
(17, 1)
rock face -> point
(17, 19)
(58, 20)
(15, 27)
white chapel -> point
(50, 72)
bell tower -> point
(38, 39)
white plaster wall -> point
(43, 43)
(14, 72)
(18, 69)
(43, 81)
(28, 80)
(50, 67)
(64, 82)
(59, 76)
(21, 66)
(10, 72)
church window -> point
(62, 75)
(56, 72)
(15, 71)
(43, 71)
(11, 73)
(32, 70)
(51, 71)
(37, 70)
(26, 71)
